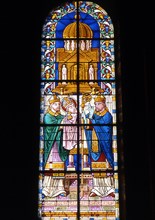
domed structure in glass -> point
(84, 31)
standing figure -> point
(99, 140)
(91, 73)
(64, 73)
(69, 105)
(53, 148)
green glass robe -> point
(52, 133)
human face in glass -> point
(99, 106)
(55, 106)
(71, 108)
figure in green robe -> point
(53, 148)
(53, 133)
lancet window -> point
(78, 160)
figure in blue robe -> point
(101, 123)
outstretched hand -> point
(90, 110)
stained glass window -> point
(78, 159)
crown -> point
(54, 99)
(100, 98)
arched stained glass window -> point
(79, 172)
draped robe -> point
(53, 134)
(101, 123)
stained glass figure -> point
(78, 124)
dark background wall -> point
(21, 24)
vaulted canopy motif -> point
(67, 60)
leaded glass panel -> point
(78, 158)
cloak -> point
(102, 125)
(52, 133)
